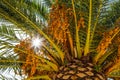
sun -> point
(37, 43)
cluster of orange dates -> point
(27, 56)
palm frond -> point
(8, 39)
(2, 77)
(36, 11)
(33, 25)
(115, 74)
(112, 13)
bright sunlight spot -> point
(37, 43)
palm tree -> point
(64, 39)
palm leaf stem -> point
(71, 44)
(12, 61)
(77, 30)
(87, 45)
(95, 24)
(46, 77)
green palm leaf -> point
(76, 32)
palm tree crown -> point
(60, 39)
